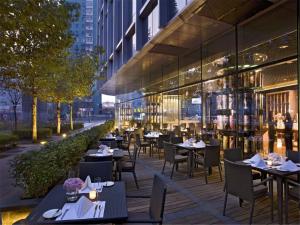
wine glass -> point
(99, 187)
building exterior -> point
(85, 34)
(223, 68)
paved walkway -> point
(8, 192)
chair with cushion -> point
(128, 166)
(292, 192)
(239, 183)
(176, 140)
(211, 158)
(141, 145)
(126, 145)
(160, 143)
(172, 157)
(96, 169)
(157, 204)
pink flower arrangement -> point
(73, 184)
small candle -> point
(269, 162)
(92, 194)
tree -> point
(33, 33)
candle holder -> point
(93, 194)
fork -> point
(65, 212)
(97, 205)
(100, 207)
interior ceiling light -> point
(259, 57)
(283, 46)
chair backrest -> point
(133, 158)
(176, 140)
(233, 154)
(161, 139)
(238, 180)
(158, 198)
(111, 144)
(89, 158)
(170, 152)
(212, 155)
(96, 169)
(293, 155)
(138, 139)
(214, 141)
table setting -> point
(273, 161)
(153, 134)
(192, 143)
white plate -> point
(108, 183)
(52, 213)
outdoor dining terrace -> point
(134, 177)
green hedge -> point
(7, 139)
(26, 133)
(38, 171)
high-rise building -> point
(85, 34)
(222, 68)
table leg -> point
(280, 198)
(190, 164)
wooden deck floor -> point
(191, 201)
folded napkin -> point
(74, 210)
(288, 166)
(87, 186)
(255, 159)
(260, 164)
(200, 144)
(93, 186)
(103, 147)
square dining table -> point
(115, 206)
(117, 153)
(280, 177)
(191, 149)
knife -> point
(95, 209)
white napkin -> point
(73, 207)
(93, 186)
(87, 186)
(200, 144)
(83, 205)
(260, 164)
(288, 166)
(255, 159)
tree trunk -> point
(58, 117)
(15, 116)
(34, 119)
(71, 116)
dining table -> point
(280, 177)
(152, 138)
(115, 210)
(117, 153)
(191, 150)
(118, 139)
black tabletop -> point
(118, 138)
(115, 206)
(117, 154)
(189, 147)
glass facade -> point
(240, 86)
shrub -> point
(38, 171)
(7, 139)
(26, 133)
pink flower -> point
(72, 184)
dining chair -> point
(210, 158)
(233, 154)
(292, 192)
(160, 143)
(155, 213)
(128, 166)
(176, 140)
(214, 141)
(293, 155)
(239, 183)
(126, 145)
(96, 169)
(89, 158)
(171, 157)
(141, 145)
